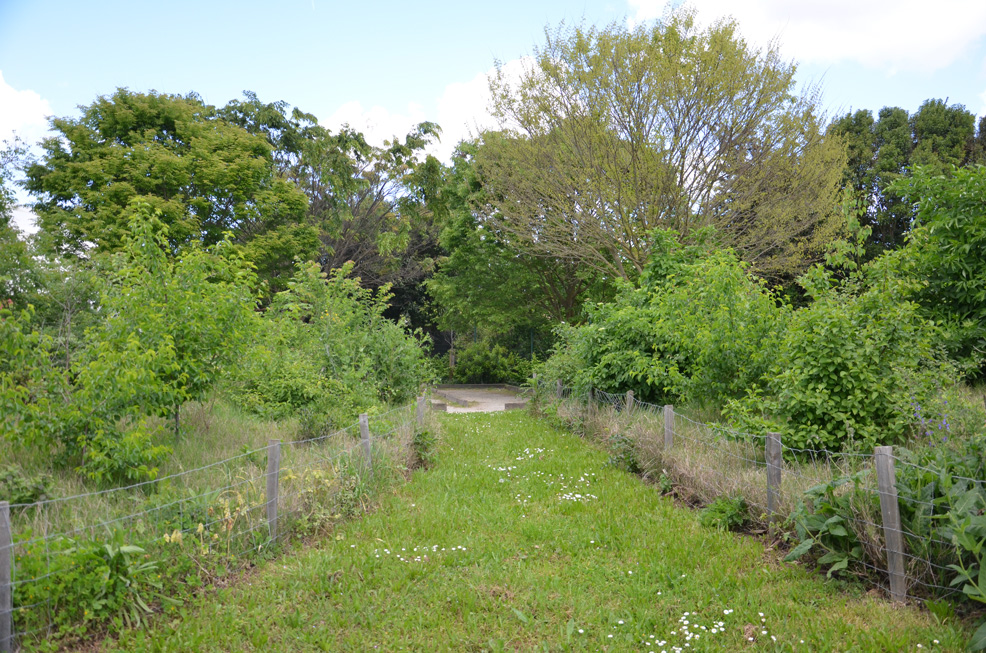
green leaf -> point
(978, 641)
(520, 615)
(799, 550)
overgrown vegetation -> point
(197, 261)
(515, 565)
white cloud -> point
(22, 113)
(462, 111)
(463, 108)
(892, 35)
(376, 123)
(24, 220)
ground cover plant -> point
(524, 537)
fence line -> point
(892, 553)
(253, 504)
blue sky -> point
(383, 66)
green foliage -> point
(84, 583)
(424, 447)
(608, 124)
(18, 487)
(491, 280)
(326, 352)
(623, 453)
(823, 520)
(171, 326)
(725, 513)
(486, 362)
(700, 328)
(941, 509)
(131, 456)
(945, 254)
(204, 175)
(194, 311)
(848, 367)
(884, 151)
(19, 273)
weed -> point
(725, 513)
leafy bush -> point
(945, 254)
(18, 487)
(699, 328)
(623, 453)
(328, 353)
(725, 513)
(849, 368)
(423, 448)
(84, 583)
(486, 362)
(823, 520)
(941, 510)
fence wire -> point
(217, 511)
(707, 461)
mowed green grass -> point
(491, 549)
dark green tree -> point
(944, 254)
(883, 151)
(488, 279)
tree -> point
(19, 276)
(204, 175)
(944, 253)
(612, 133)
(369, 205)
(883, 151)
(194, 309)
(489, 279)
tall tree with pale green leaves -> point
(614, 132)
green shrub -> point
(823, 521)
(326, 353)
(83, 583)
(725, 513)
(128, 457)
(424, 448)
(18, 487)
(851, 365)
(486, 362)
(699, 329)
(623, 453)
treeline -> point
(640, 180)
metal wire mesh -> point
(706, 461)
(219, 510)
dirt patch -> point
(480, 400)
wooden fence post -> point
(668, 426)
(629, 401)
(559, 388)
(364, 438)
(273, 473)
(6, 589)
(420, 412)
(774, 462)
(886, 479)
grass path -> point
(522, 538)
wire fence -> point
(118, 549)
(845, 505)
